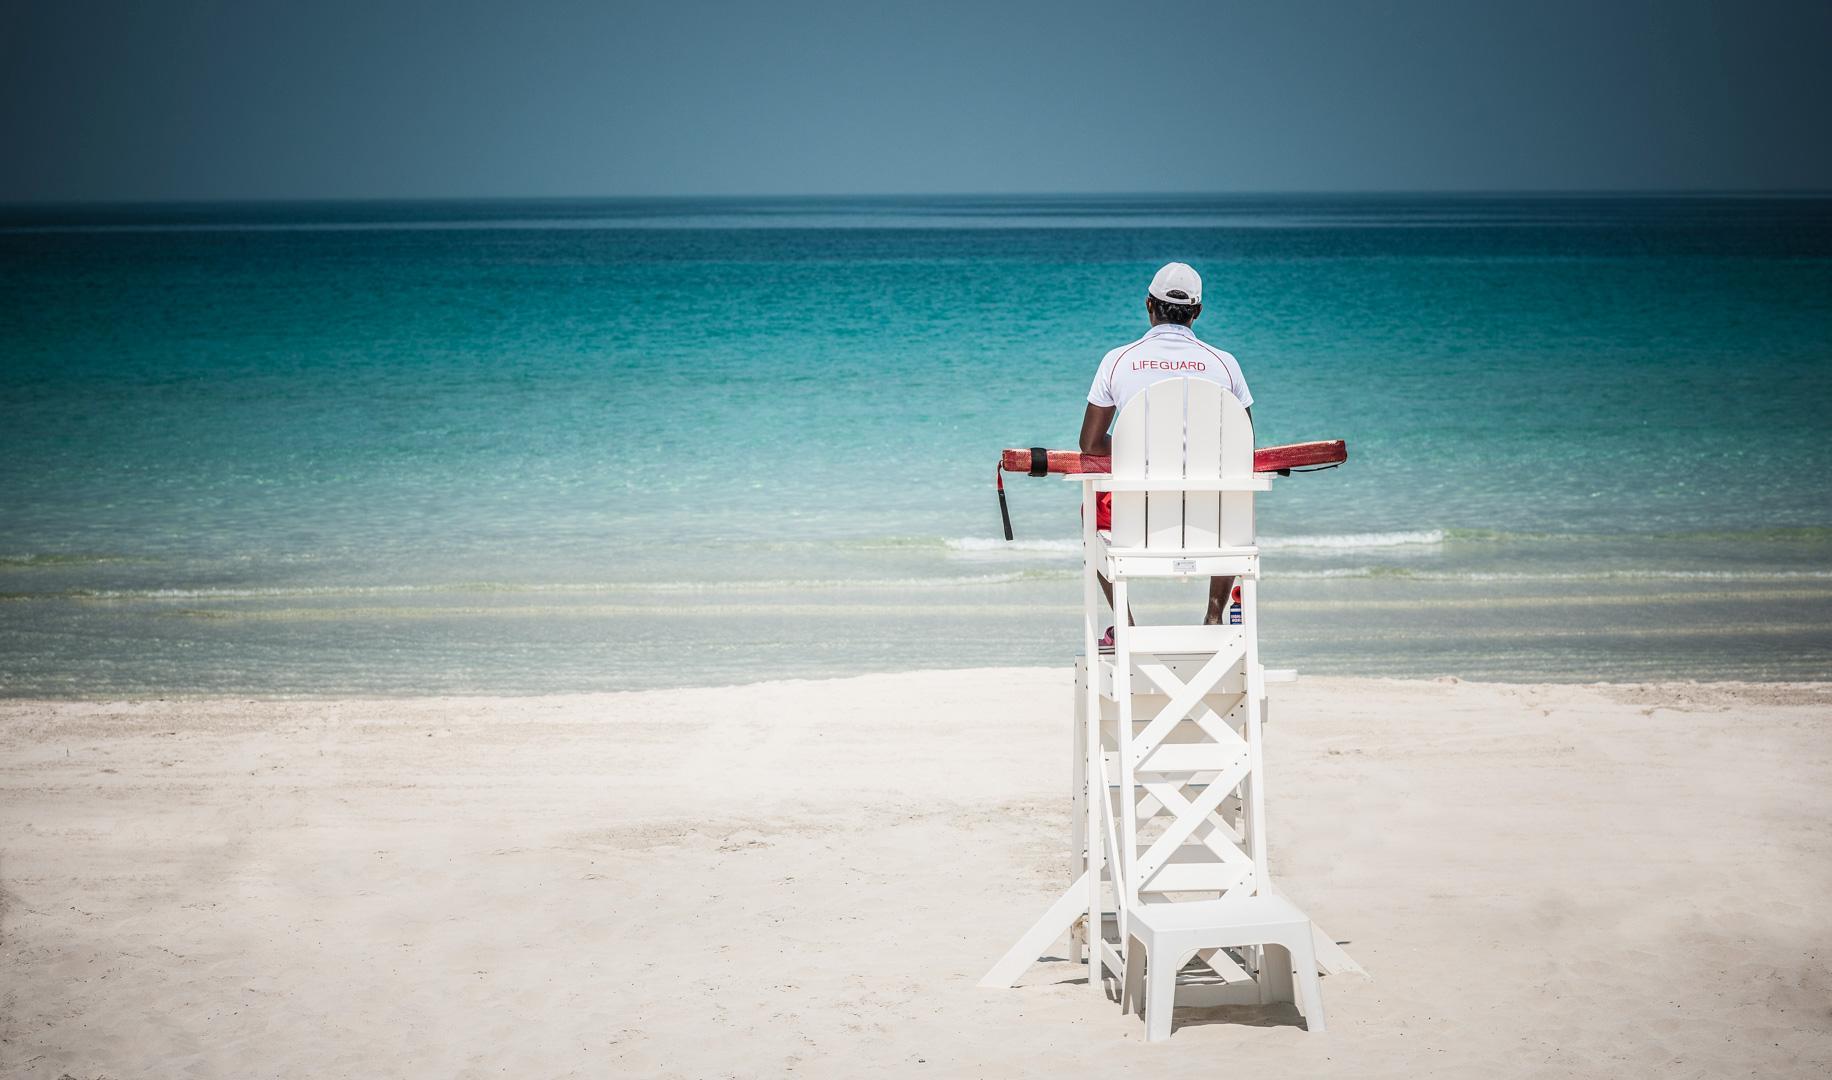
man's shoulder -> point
(1117, 350)
(1220, 353)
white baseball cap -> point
(1177, 283)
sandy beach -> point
(806, 878)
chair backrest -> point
(1183, 428)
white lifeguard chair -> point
(1167, 834)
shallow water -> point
(587, 445)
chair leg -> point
(1275, 973)
(1303, 953)
(1160, 992)
(1078, 817)
(1132, 984)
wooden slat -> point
(1236, 529)
(1164, 462)
(1148, 701)
(1187, 639)
(1213, 877)
(1202, 509)
(1191, 757)
(1190, 779)
(1129, 464)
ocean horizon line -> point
(1031, 212)
(1624, 194)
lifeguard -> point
(1170, 349)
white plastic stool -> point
(1165, 936)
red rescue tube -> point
(1266, 459)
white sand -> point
(806, 878)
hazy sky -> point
(247, 99)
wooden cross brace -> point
(1185, 697)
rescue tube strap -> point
(1040, 461)
(1004, 513)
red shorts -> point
(1103, 510)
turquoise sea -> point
(586, 445)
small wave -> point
(1341, 572)
(1645, 575)
(1528, 577)
(872, 543)
(472, 588)
(1354, 541)
(1025, 575)
(1325, 542)
(1785, 534)
(35, 559)
(975, 544)
(1498, 536)
(1333, 542)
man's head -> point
(1175, 295)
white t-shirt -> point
(1166, 351)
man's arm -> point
(1094, 425)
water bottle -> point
(1234, 608)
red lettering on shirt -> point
(1169, 365)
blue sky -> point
(336, 99)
